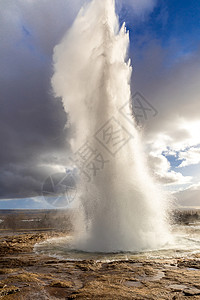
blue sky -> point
(172, 23)
(170, 20)
(165, 51)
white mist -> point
(122, 209)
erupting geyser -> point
(121, 207)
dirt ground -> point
(25, 275)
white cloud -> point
(172, 87)
(161, 169)
(189, 157)
(189, 196)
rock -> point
(61, 284)
(191, 292)
(8, 290)
(177, 287)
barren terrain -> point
(26, 275)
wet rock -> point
(189, 263)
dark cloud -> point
(169, 80)
(32, 131)
(33, 136)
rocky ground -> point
(25, 275)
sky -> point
(34, 138)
